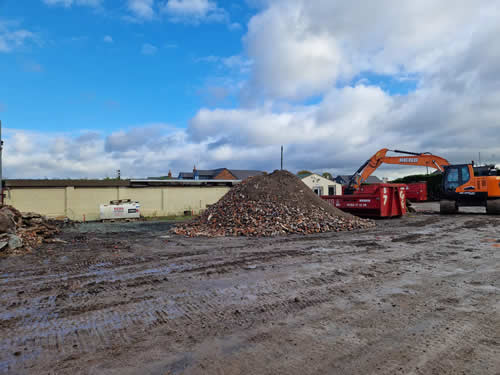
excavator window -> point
(451, 181)
(465, 174)
(455, 176)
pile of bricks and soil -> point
(21, 232)
(268, 205)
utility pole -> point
(1, 179)
(281, 157)
(118, 174)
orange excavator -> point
(462, 184)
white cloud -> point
(234, 26)
(138, 152)
(301, 48)
(238, 62)
(331, 120)
(142, 10)
(302, 57)
(91, 3)
(178, 11)
(195, 11)
(235, 62)
(108, 39)
(195, 8)
(12, 37)
(69, 3)
(64, 3)
(148, 49)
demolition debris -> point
(269, 205)
(23, 231)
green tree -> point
(327, 175)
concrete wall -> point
(75, 202)
(315, 181)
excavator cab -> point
(455, 176)
(465, 185)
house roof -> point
(305, 175)
(373, 180)
(344, 178)
(201, 173)
(242, 174)
(239, 174)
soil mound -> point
(21, 232)
(269, 205)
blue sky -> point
(92, 69)
(148, 86)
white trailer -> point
(120, 209)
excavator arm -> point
(410, 158)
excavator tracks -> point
(447, 207)
(493, 206)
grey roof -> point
(342, 179)
(373, 180)
(21, 183)
(186, 175)
(239, 174)
(65, 183)
(242, 174)
(202, 173)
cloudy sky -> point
(146, 86)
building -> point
(167, 177)
(344, 179)
(321, 185)
(80, 199)
(218, 174)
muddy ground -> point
(418, 295)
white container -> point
(120, 209)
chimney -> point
(196, 175)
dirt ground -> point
(417, 295)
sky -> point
(147, 86)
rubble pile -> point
(269, 205)
(23, 231)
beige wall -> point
(314, 181)
(74, 203)
(37, 200)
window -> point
(451, 179)
(465, 174)
(331, 190)
(318, 190)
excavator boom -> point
(410, 158)
(462, 184)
